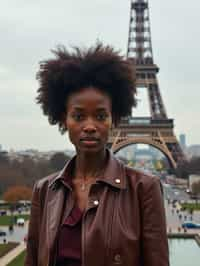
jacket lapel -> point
(54, 213)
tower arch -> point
(129, 142)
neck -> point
(90, 165)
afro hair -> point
(99, 66)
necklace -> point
(85, 184)
(83, 187)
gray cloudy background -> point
(29, 29)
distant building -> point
(35, 154)
(193, 179)
(193, 151)
(182, 140)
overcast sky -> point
(29, 29)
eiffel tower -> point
(156, 130)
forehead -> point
(89, 98)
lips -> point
(89, 141)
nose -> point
(89, 126)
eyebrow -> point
(101, 109)
(78, 108)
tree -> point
(186, 168)
(16, 193)
(4, 157)
(182, 169)
(194, 165)
(24, 171)
(158, 165)
(58, 160)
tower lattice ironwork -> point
(156, 130)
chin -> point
(90, 150)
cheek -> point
(69, 123)
(73, 136)
(109, 123)
(107, 126)
(71, 129)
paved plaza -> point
(174, 215)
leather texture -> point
(123, 224)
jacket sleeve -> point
(33, 230)
(154, 236)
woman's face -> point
(88, 119)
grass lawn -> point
(19, 260)
(191, 206)
(8, 219)
(5, 248)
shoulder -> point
(42, 185)
(46, 181)
(40, 190)
(134, 177)
(141, 180)
(147, 187)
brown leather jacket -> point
(124, 223)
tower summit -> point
(140, 50)
(156, 130)
(139, 39)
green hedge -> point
(8, 219)
(190, 206)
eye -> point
(77, 117)
(101, 117)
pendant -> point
(83, 187)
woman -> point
(96, 211)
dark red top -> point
(69, 241)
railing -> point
(145, 121)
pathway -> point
(12, 254)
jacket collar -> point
(114, 174)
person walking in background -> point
(96, 211)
